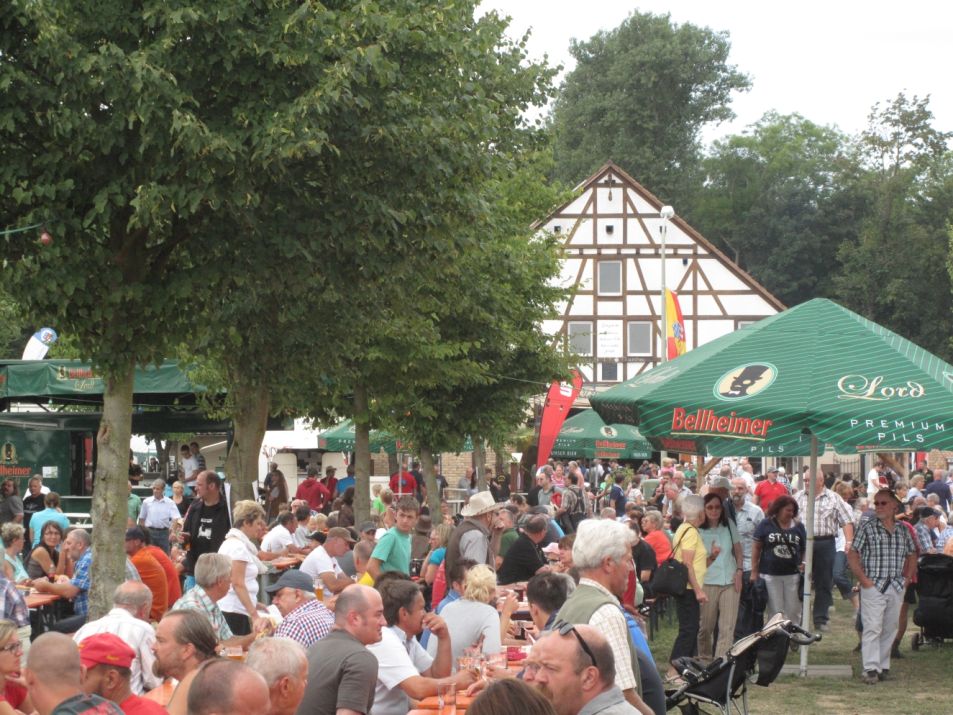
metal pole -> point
(809, 554)
(666, 213)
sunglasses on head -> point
(566, 629)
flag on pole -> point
(675, 330)
(559, 399)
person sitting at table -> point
(15, 609)
(46, 558)
(54, 675)
(52, 512)
(306, 620)
(525, 559)
(107, 660)
(224, 686)
(129, 620)
(404, 669)
(472, 619)
(13, 538)
(213, 577)
(151, 573)
(14, 697)
(322, 566)
(546, 593)
(283, 663)
(280, 538)
(77, 547)
(184, 640)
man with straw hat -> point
(477, 537)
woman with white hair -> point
(473, 617)
(690, 550)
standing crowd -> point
(372, 617)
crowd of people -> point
(378, 615)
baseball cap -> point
(367, 526)
(292, 578)
(105, 649)
(339, 532)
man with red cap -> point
(107, 660)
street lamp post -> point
(667, 213)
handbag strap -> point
(679, 539)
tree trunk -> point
(362, 457)
(433, 489)
(250, 420)
(479, 462)
(111, 492)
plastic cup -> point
(447, 698)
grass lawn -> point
(918, 684)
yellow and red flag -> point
(675, 329)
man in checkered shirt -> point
(884, 559)
(306, 619)
(831, 514)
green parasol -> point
(340, 438)
(815, 369)
(586, 435)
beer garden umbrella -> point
(817, 370)
(586, 435)
(340, 438)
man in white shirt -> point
(129, 620)
(281, 536)
(157, 514)
(188, 466)
(405, 670)
(322, 566)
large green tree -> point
(640, 95)
(138, 132)
(775, 202)
(894, 272)
(403, 200)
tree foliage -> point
(895, 271)
(640, 95)
(774, 202)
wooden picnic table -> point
(40, 600)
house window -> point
(640, 338)
(610, 277)
(609, 372)
(580, 338)
(739, 324)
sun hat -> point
(480, 503)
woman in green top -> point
(722, 582)
(13, 536)
(690, 550)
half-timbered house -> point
(613, 233)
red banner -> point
(559, 400)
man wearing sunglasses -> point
(884, 559)
(603, 554)
(573, 667)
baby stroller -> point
(935, 600)
(722, 685)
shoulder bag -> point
(671, 576)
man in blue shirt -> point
(77, 546)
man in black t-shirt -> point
(525, 559)
(207, 521)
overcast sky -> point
(829, 61)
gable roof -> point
(609, 167)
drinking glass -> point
(447, 698)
